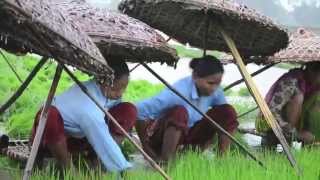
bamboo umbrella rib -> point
(11, 67)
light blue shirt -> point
(82, 118)
(156, 107)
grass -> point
(193, 166)
(140, 89)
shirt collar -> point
(194, 92)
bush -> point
(243, 92)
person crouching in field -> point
(294, 102)
(165, 121)
(76, 124)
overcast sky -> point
(290, 5)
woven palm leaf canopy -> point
(118, 35)
(304, 46)
(185, 20)
(218, 25)
(34, 26)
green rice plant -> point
(194, 166)
(244, 92)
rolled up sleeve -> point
(151, 109)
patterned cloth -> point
(286, 87)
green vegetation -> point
(193, 166)
(193, 52)
(287, 65)
(140, 89)
(244, 92)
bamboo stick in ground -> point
(42, 124)
(106, 112)
(260, 101)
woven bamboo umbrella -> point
(118, 35)
(27, 24)
(304, 46)
(185, 20)
(218, 25)
(23, 22)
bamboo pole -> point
(204, 115)
(42, 124)
(23, 86)
(107, 113)
(135, 67)
(260, 101)
(251, 110)
(11, 67)
(252, 75)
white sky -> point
(110, 4)
(291, 4)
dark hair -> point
(205, 66)
(313, 66)
(120, 68)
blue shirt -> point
(82, 118)
(156, 107)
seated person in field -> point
(76, 124)
(288, 100)
(165, 121)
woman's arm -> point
(293, 109)
(286, 103)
